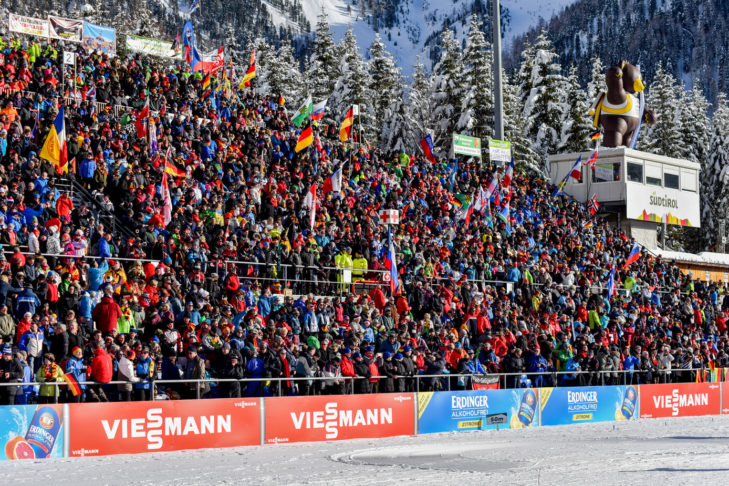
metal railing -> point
(413, 383)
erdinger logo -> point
(676, 400)
(46, 421)
(155, 427)
(332, 418)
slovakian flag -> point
(633, 256)
(611, 282)
(345, 131)
(333, 183)
(305, 139)
(72, 384)
(310, 203)
(593, 205)
(317, 110)
(509, 174)
(55, 149)
(427, 145)
(391, 265)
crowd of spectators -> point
(238, 285)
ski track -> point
(672, 451)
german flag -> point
(346, 129)
(206, 82)
(173, 170)
(305, 139)
(596, 136)
(72, 385)
(250, 74)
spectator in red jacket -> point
(106, 312)
(100, 371)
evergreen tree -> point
(514, 129)
(576, 126)
(523, 79)
(324, 62)
(596, 85)
(352, 88)
(545, 107)
(284, 77)
(477, 109)
(447, 92)
(695, 126)
(385, 83)
(715, 176)
(664, 97)
(397, 131)
(419, 103)
(265, 58)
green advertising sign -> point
(465, 145)
(152, 47)
(499, 150)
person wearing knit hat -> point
(75, 367)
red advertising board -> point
(679, 400)
(317, 418)
(99, 429)
(725, 397)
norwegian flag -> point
(593, 205)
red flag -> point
(142, 120)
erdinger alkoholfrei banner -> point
(563, 406)
(477, 410)
(32, 432)
(339, 417)
(66, 29)
(100, 429)
(99, 38)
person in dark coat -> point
(513, 363)
(233, 370)
(389, 372)
(60, 343)
(10, 372)
(362, 370)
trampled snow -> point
(660, 451)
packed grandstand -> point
(243, 275)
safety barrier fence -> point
(88, 429)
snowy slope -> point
(641, 452)
(419, 20)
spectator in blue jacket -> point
(145, 373)
(27, 301)
(76, 368)
(536, 364)
(631, 363)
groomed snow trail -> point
(660, 451)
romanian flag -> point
(55, 149)
(72, 385)
(250, 74)
(305, 139)
(346, 129)
(173, 170)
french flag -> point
(576, 171)
(333, 183)
(509, 174)
(491, 188)
(318, 110)
(391, 265)
(634, 255)
(427, 145)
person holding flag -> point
(633, 256)
(427, 145)
(345, 131)
(55, 149)
(391, 264)
(306, 138)
(303, 113)
(508, 174)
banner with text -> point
(465, 145)
(680, 400)
(152, 47)
(477, 410)
(32, 432)
(66, 29)
(99, 38)
(99, 429)
(28, 25)
(499, 151)
(318, 418)
(563, 406)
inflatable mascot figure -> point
(621, 111)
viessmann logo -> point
(332, 418)
(677, 400)
(155, 427)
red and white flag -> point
(167, 210)
(310, 202)
(333, 183)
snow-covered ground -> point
(650, 452)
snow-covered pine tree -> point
(477, 108)
(514, 129)
(664, 97)
(265, 57)
(695, 126)
(596, 84)
(385, 83)
(284, 77)
(545, 107)
(447, 92)
(397, 131)
(715, 176)
(576, 125)
(353, 88)
(323, 68)
(420, 103)
(523, 80)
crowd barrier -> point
(96, 429)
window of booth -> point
(606, 172)
(635, 172)
(688, 180)
(670, 177)
(653, 174)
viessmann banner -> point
(338, 417)
(680, 400)
(646, 204)
(477, 410)
(563, 406)
(100, 429)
